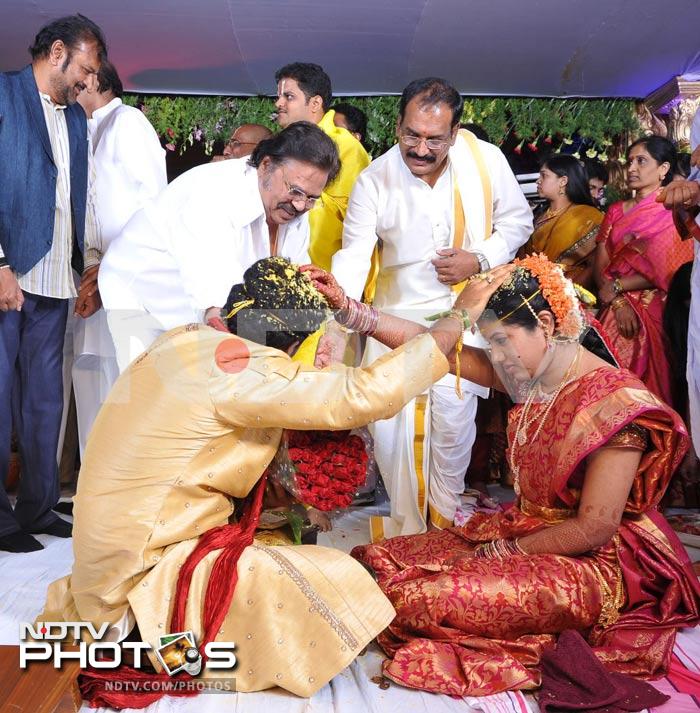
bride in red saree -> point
(638, 254)
(582, 548)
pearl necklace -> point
(520, 436)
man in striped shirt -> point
(47, 229)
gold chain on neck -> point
(524, 423)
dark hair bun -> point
(285, 307)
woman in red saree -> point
(639, 251)
(582, 548)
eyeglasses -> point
(236, 142)
(296, 194)
(432, 144)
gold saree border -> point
(549, 515)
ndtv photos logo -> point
(46, 641)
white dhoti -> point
(452, 434)
(424, 451)
(94, 370)
(423, 454)
(89, 367)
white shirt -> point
(413, 220)
(182, 252)
(52, 276)
(129, 165)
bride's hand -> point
(326, 284)
(479, 288)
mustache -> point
(289, 208)
(428, 158)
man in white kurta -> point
(441, 206)
(128, 171)
(180, 254)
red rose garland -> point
(330, 467)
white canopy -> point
(501, 47)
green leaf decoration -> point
(296, 522)
(181, 121)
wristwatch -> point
(483, 262)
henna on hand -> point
(575, 536)
(326, 284)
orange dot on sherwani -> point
(232, 356)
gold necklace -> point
(549, 213)
(520, 436)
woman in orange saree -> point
(582, 548)
(638, 253)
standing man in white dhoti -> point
(175, 261)
(128, 171)
(431, 212)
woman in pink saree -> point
(638, 253)
(583, 547)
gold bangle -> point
(618, 303)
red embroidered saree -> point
(477, 627)
(655, 254)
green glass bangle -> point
(461, 314)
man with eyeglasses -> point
(243, 141)
(176, 259)
(437, 208)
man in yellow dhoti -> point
(436, 208)
(195, 421)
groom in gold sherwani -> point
(194, 422)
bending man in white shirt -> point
(435, 209)
(177, 258)
(129, 170)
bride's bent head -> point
(533, 322)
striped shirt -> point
(52, 276)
